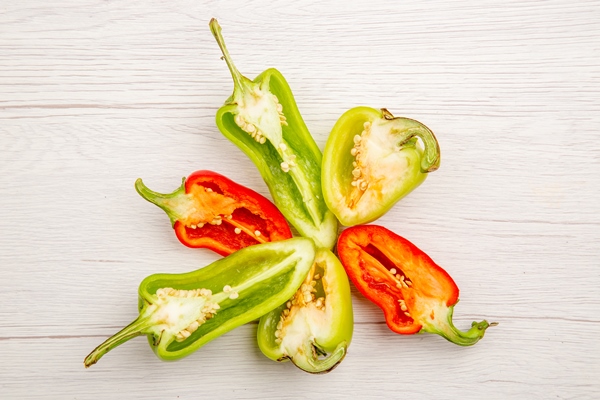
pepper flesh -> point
(214, 212)
(314, 328)
(262, 119)
(415, 294)
(182, 312)
(372, 160)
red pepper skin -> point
(208, 208)
(415, 294)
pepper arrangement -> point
(297, 286)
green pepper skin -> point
(182, 312)
(372, 160)
(262, 119)
(313, 334)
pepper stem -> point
(238, 78)
(431, 161)
(309, 360)
(163, 201)
(129, 332)
(447, 330)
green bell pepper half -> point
(182, 312)
(262, 119)
(314, 328)
(372, 160)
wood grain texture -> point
(94, 94)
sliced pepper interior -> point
(211, 211)
(181, 312)
(373, 159)
(261, 118)
(314, 328)
(415, 294)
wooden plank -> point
(94, 94)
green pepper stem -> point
(129, 332)
(161, 200)
(431, 161)
(446, 329)
(238, 78)
(309, 361)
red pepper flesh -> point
(415, 294)
(211, 211)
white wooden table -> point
(94, 94)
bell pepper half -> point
(372, 160)
(182, 312)
(314, 328)
(415, 294)
(214, 212)
(262, 119)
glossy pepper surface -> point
(373, 159)
(211, 211)
(314, 328)
(262, 119)
(182, 312)
(415, 294)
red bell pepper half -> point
(213, 212)
(415, 294)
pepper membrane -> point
(211, 211)
(261, 118)
(415, 294)
(314, 328)
(372, 160)
(182, 312)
